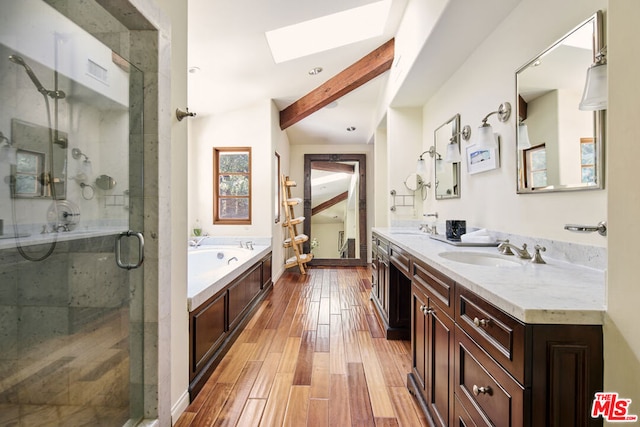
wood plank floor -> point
(312, 354)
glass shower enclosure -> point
(71, 194)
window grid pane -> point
(233, 180)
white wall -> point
(249, 127)
(381, 205)
(178, 319)
(621, 339)
(484, 81)
(404, 136)
(281, 146)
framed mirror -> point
(560, 147)
(446, 159)
(35, 145)
(335, 209)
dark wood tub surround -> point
(216, 324)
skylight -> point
(328, 32)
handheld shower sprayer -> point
(55, 94)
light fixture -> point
(453, 148)
(7, 150)
(85, 169)
(486, 138)
(421, 167)
(523, 136)
(315, 71)
(351, 128)
(594, 97)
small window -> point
(232, 185)
(536, 166)
(28, 172)
(587, 161)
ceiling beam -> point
(326, 205)
(352, 77)
(333, 167)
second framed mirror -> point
(446, 140)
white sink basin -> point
(481, 258)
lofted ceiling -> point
(235, 68)
(227, 42)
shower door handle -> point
(140, 238)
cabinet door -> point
(207, 332)
(441, 359)
(419, 304)
(383, 286)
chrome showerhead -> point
(55, 94)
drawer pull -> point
(426, 310)
(481, 322)
(481, 390)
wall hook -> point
(181, 114)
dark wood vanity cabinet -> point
(475, 365)
(432, 344)
(391, 288)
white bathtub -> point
(211, 268)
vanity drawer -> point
(462, 417)
(489, 393)
(436, 285)
(400, 258)
(501, 335)
(383, 247)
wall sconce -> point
(523, 136)
(594, 97)
(486, 138)
(453, 148)
(85, 169)
(421, 167)
(7, 150)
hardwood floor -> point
(313, 354)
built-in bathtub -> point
(225, 285)
(212, 267)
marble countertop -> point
(554, 293)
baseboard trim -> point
(179, 407)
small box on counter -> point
(455, 229)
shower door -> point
(71, 156)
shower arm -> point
(54, 94)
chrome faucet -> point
(507, 248)
(246, 245)
(195, 242)
(427, 229)
(537, 258)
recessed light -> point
(351, 128)
(194, 70)
(315, 71)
